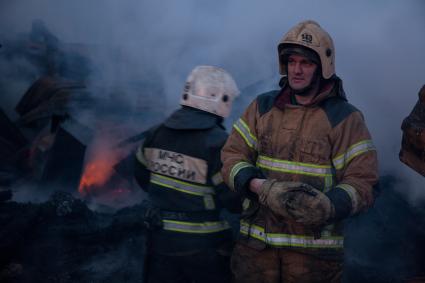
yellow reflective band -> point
(195, 227)
(294, 167)
(140, 156)
(242, 128)
(343, 159)
(354, 196)
(217, 179)
(328, 183)
(235, 170)
(289, 240)
(181, 186)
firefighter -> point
(304, 160)
(412, 154)
(412, 151)
(179, 165)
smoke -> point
(98, 182)
(24, 192)
(379, 50)
(143, 50)
(15, 77)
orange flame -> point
(96, 174)
(99, 177)
(99, 167)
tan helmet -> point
(310, 35)
(210, 89)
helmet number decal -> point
(307, 38)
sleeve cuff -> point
(244, 176)
(341, 201)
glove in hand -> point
(297, 201)
(308, 206)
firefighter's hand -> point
(255, 185)
(273, 194)
(308, 206)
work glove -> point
(273, 194)
(309, 206)
(297, 201)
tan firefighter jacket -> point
(325, 144)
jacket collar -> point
(187, 118)
(331, 88)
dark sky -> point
(380, 48)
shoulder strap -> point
(337, 109)
(266, 101)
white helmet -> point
(210, 89)
(312, 36)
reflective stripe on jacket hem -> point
(290, 240)
(181, 186)
(242, 128)
(361, 147)
(195, 227)
(294, 167)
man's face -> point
(301, 71)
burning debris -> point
(100, 172)
(52, 147)
(64, 136)
(49, 97)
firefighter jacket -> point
(413, 143)
(325, 144)
(179, 164)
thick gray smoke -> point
(379, 50)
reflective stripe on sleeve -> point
(294, 167)
(195, 227)
(343, 159)
(181, 186)
(354, 196)
(289, 240)
(235, 170)
(242, 128)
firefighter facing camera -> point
(178, 165)
(304, 160)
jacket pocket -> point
(316, 152)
